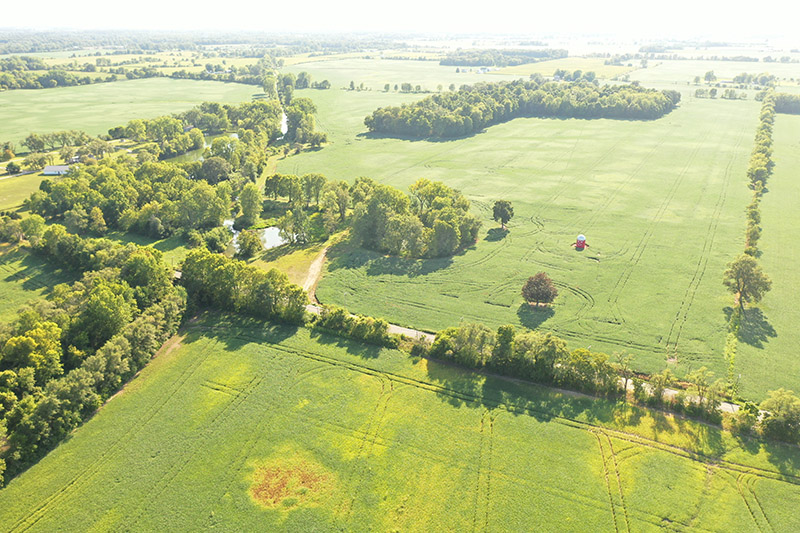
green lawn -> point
(247, 426)
(24, 277)
(661, 203)
(13, 191)
(768, 350)
(96, 108)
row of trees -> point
(499, 58)
(359, 327)
(62, 357)
(472, 108)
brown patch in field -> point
(288, 483)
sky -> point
(621, 19)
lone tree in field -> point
(539, 289)
(502, 212)
(746, 280)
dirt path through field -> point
(314, 273)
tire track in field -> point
(610, 198)
(188, 450)
(681, 316)
(565, 184)
(616, 499)
(25, 523)
(370, 436)
(483, 478)
(630, 266)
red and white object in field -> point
(580, 242)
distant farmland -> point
(96, 108)
(251, 427)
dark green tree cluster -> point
(213, 280)
(499, 58)
(359, 327)
(576, 75)
(39, 142)
(155, 199)
(540, 357)
(64, 356)
(764, 79)
(300, 123)
(787, 103)
(433, 222)
(472, 108)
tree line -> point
(787, 103)
(499, 58)
(63, 356)
(472, 108)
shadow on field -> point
(533, 317)
(496, 234)
(755, 329)
(359, 348)
(34, 274)
(347, 256)
(233, 331)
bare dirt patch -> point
(288, 483)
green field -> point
(24, 277)
(768, 350)
(661, 203)
(13, 191)
(96, 108)
(586, 64)
(249, 427)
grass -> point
(96, 108)
(24, 277)
(13, 191)
(173, 248)
(247, 426)
(661, 203)
(769, 338)
(586, 64)
(375, 73)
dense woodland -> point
(499, 58)
(472, 108)
(787, 103)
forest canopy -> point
(474, 107)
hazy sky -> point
(620, 18)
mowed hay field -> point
(24, 277)
(96, 108)
(768, 349)
(661, 203)
(242, 426)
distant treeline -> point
(472, 108)
(787, 103)
(499, 58)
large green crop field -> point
(24, 277)
(661, 202)
(96, 108)
(246, 426)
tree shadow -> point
(496, 234)
(533, 317)
(786, 458)
(345, 255)
(754, 328)
(359, 348)
(234, 331)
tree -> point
(252, 203)
(539, 289)
(36, 161)
(249, 244)
(782, 418)
(97, 224)
(710, 76)
(215, 169)
(502, 212)
(746, 280)
(13, 168)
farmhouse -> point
(55, 170)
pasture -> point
(24, 277)
(586, 64)
(661, 202)
(767, 351)
(96, 108)
(243, 426)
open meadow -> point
(661, 202)
(239, 425)
(96, 108)
(24, 277)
